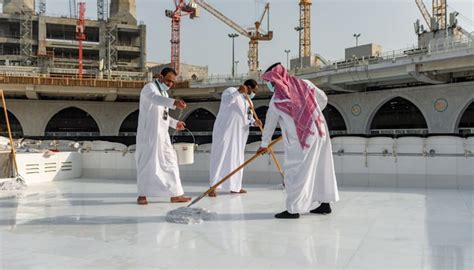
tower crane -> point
(72, 9)
(437, 20)
(254, 34)
(181, 9)
(305, 25)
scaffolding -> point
(26, 34)
(102, 10)
(72, 9)
(112, 52)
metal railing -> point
(435, 46)
(70, 81)
(420, 131)
(224, 79)
(251, 133)
(466, 130)
(72, 134)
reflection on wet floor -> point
(97, 224)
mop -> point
(188, 215)
(17, 182)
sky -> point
(204, 40)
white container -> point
(39, 167)
(199, 170)
(411, 164)
(185, 153)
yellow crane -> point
(437, 20)
(305, 27)
(255, 34)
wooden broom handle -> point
(247, 162)
(277, 163)
(9, 131)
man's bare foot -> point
(141, 200)
(242, 191)
(180, 199)
(212, 194)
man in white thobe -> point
(309, 168)
(157, 164)
(230, 134)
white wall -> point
(434, 162)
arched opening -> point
(335, 121)
(398, 116)
(72, 122)
(200, 122)
(466, 124)
(129, 125)
(17, 130)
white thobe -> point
(309, 173)
(229, 137)
(157, 164)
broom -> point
(17, 182)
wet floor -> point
(96, 224)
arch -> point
(15, 125)
(466, 119)
(200, 120)
(335, 120)
(72, 121)
(398, 116)
(129, 125)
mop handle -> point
(277, 163)
(9, 131)
(247, 162)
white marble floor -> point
(95, 224)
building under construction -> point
(35, 44)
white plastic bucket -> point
(185, 151)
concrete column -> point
(143, 47)
(16, 6)
(41, 35)
(123, 11)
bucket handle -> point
(192, 135)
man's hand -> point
(180, 126)
(262, 150)
(243, 89)
(180, 104)
(258, 123)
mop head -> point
(17, 183)
(189, 215)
